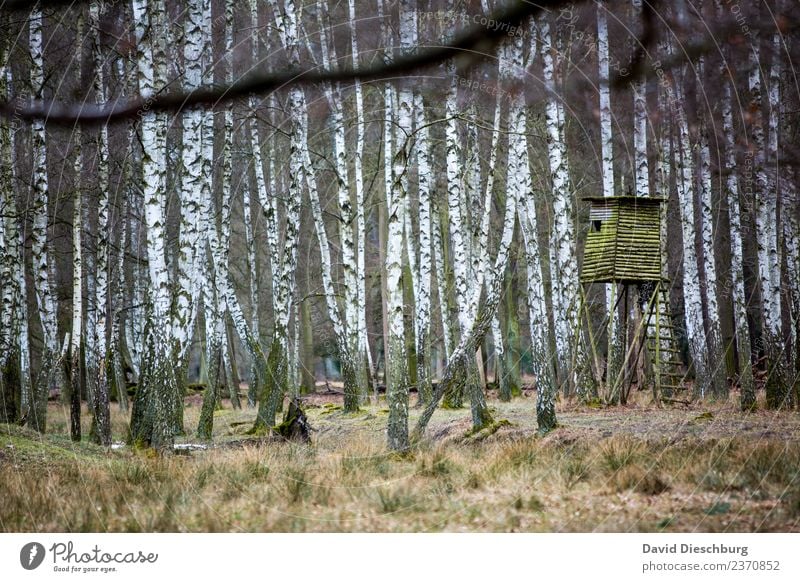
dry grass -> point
(624, 469)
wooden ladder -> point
(668, 367)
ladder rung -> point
(665, 350)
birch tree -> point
(345, 330)
(153, 415)
(273, 393)
(731, 191)
(397, 390)
(358, 183)
(195, 176)
(779, 384)
(76, 339)
(39, 247)
(101, 415)
(716, 361)
(564, 270)
(686, 194)
(615, 332)
(422, 293)
(766, 219)
(14, 360)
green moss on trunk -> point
(275, 384)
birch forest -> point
(239, 231)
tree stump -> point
(295, 426)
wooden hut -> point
(623, 244)
(623, 247)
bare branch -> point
(476, 41)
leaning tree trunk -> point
(468, 343)
(456, 222)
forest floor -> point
(699, 468)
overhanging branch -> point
(477, 40)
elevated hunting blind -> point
(623, 247)
(623, 244)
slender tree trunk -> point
(74, 365)
(397, 389)
(41, 262)
(716, 359)
(686, 195)
(14, 377)
(743, 349)
(153, 417)
(364, 358)
(766, 218)
(346, 330)
(458, 362)
(101, 414)
(273, 393)
(424, 277)
(615, 333)
(456, 222)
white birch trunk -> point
(640, 118)
(441, 280)
(101, 432)
(767, 228)
(521, 189)
(359, 194)
(397, 381)
(716, 359)
(8, 225)
(692, 295)
(455, 201)
(422, 294)
(738, 296)
(345, 330)
(273, 394)
(615, 334)
(468, 343)
(154, 408)
(196, 174)
(76, 336)
(562, 241)
(41, 262)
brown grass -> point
(622, 469)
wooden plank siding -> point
(623, 243)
